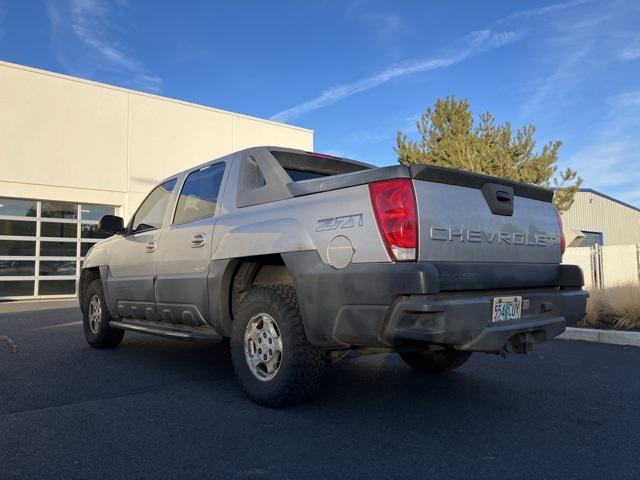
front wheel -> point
(435, 361)
(273, 361)
(96, 318)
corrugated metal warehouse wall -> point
(593, 212)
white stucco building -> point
(72, 150)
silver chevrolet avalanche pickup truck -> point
(299, 257)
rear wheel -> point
(435, 361)
(96, 318)
(274, 362)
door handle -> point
(150, 247)
(198, 240)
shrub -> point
(616, 307)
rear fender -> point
(263, 238)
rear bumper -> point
(413, 304)
(464, 320)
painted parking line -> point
(60, 325)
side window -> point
(151, 213)
(199, 195)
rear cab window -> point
(310, 165)
(299, 175)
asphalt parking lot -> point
(163, 409)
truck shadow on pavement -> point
(488, 384)
(357, 387)
(166, 403)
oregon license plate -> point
(507, 308)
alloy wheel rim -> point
(263, 347)
(95, 314)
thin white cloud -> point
(475, 43)
(384, 25)
(631, 197)
(338, 153)
(556, 82)
(370, 137)
(352, 8)
(84, 41)
(608, 158)
(411, 123)
(574, 48)
(604, 163)
(626, 100)
(384, 131)
(542, 11)
(630, 51)
(609, 166)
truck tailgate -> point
(474, 218)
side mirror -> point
(111, 224)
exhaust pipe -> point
(518, 344)
(521, 343)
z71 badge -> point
(345, 221)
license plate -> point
(507, 308)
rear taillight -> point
(394, 205)
(563, 241)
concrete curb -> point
(611, 337)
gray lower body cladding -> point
(465, 320)
(448, 303)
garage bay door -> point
(42, 245)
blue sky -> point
(358, 71)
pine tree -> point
(449, 138)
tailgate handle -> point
(503, 196)
(499, 198)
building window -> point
(65, 230)
(52, 268)
(57, 287)
(591, 238)
(84, 248)
(17, 268)
(14, 288)
(95, 212)
(58, 249)
(59, 210)
(43, 244)
(17, 208)
(17, 248)
(92, 231)
(17, 228)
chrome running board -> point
(168, 330)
